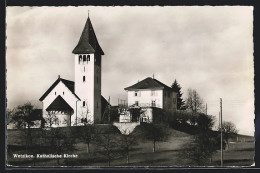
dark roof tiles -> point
(149, 83)
(67, 83)
(88, 42)
(59, 104)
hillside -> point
(168, 153)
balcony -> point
(145, 105)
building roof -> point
(59, 104)
(148, 83)
(88, 42)
(67, 83)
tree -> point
(229, 131)
(194, 102)
(9, 115)
(87, 132)
(136, 112)
(154, 132)
(177, 88)
(204, 143)
(51, 118)
(113, 114)
(207, 138)
(128, 141)
(60, 142)
(24, 117)
(107, 141)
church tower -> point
(88, 75)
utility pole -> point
(221, 132)
(109, 109)
(219, 119)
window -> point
(169, 94)
(63, 92)
(84, 103)
(136, 103)
(80, 58)
(153, 93)
(137, 93)
(153, 103)
(84, 69)
(55, 93)
(88, 57)
(84, 58)
(84, 78)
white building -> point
(71, 101)
(152, 96)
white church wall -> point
(85, 89)
(65, 93)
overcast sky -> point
(209, 49)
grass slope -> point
(167, 153)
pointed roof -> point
(59, 104)
(148, 83)
(67, 83)
(88, 42)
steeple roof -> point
(88, 42)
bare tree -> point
(128, 141)
(84, 117)
(108, 143)
(154, 132)
(194, 102)
(88, 132)
(51, 118)
(229, 131)
(60, 142)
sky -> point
(209, 49)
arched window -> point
(88, 58)
(84, 103)
(84, 78)
(84, 58)
(80, 58)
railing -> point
(146, 105)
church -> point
(69, 101)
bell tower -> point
(87, 85)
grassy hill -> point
(168, 153)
